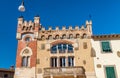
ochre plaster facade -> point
(39, 60)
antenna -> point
(21, 8)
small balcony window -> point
(70, 61)
(62, 62)
(54, 62)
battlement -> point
(28, 25)
(83, 27)
(84, 31)
(41, 32)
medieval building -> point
(66, 53)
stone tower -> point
(27, 34)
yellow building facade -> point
(65, 53)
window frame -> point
(72, 61)
(69, 47)
(27, 56)
(51, 64)
(51, 49)
(104, 52)
(85, 45)
(25, 61)
(61, 62)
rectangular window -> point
(38, 61)
(70, 61)
(110, 72)
(85, 45)
(106, 46)
(54, 62)
(62, 62)
(42, 46)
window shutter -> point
(106, 47)
(110, 73)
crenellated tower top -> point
(28, 26)
(40, 32)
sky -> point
(105, 16)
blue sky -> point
(105, 17)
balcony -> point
(64, 71)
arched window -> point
(77, 35)
(63, 36)
(54, 49)
(70, 48)
(62, 48)
(25, 61)
(50, 37)
(43, 37)
(84, 35)
(26, 53)
(70, 36)
(27, 39)
(57, 37)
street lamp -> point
(21, 7)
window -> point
(5, 75)
(70, 61)
(62, 48)
(57, 37)
(64, 36)
(38, 61)
(84, 35)
(53, 62)
(70, 48)
(110, 72)
(27, 39)
(42, 46)
(54, 49)
(106, 46)
(62, 62)
(43, 37)
(77, 36)
(50, 37)
(25, 61)
(25, 57)
(70, 36)
(85, 45)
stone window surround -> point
(66, 60)
(22, 54)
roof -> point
(106, 37)
(6, 70)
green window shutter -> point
(106, 47)
(110, 72)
